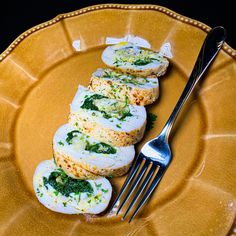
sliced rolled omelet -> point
(113, 84)
(135, 60)
(108, 120)
(61, 193)
(83, 156)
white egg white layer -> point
(76, 150)
(129, 80)
(111, 56)
(93, 203)
(128, 124)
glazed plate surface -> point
(39, 75)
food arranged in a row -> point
(105, 121)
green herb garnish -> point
(151, 118)
(118, 126)
(61, 143)
(106, 74)
(125, 114)
(98, 185)
(116, 62)
(105, 115)
(135, 81)
(65, 185)
(105, 190)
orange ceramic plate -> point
(39, 75)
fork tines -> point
(142, 169)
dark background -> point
(16, 17)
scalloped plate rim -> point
(227, 48)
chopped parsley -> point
(131, 79)
(64, 204)
(61, 143)
(97, 198)
(71, 135)
(38, 192)
(151, 118)
(125, 114)
(98, 185)
(135, 81)
(65, 185)
(104, 190)
(118, 126)
(107, 74)
(117, 62)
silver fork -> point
(155, 156)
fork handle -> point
(209, 50)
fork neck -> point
(209, 50)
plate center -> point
(47, 107)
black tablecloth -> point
(16, 17)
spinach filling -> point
(107, 73)
(135, 56)
(100, 148)
(88, 102)
(135, 81)
(143, 62)
(66, 185)
(119, 110)
(71, 135)
(97, 147)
